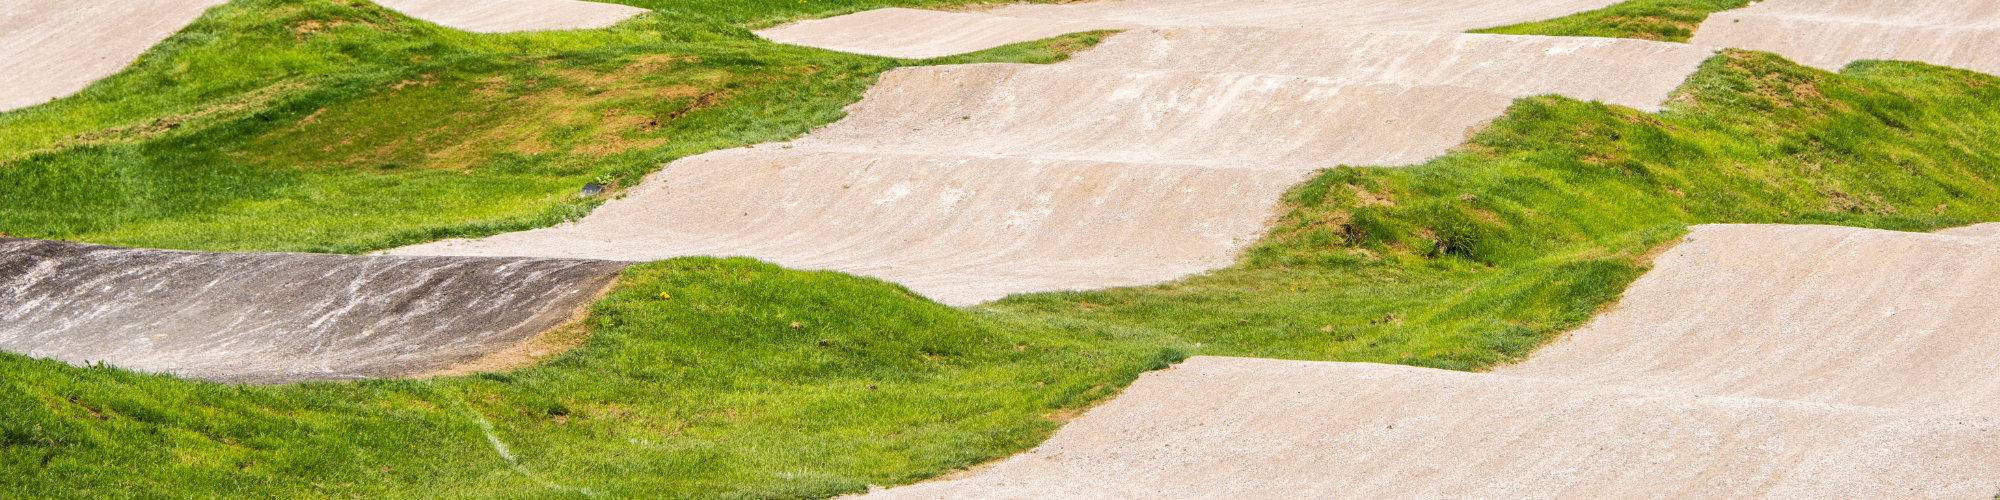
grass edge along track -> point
(728, 378)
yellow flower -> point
(664, 295)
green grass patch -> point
(1543, 218)
(728, 378)
(338, 126)
(745, 381)
(1663, 20)
(311, 125)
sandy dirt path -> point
(506, 16)
(54, 48)
(1753, 361)
(917, 34)
(1809, 313)
(1238, 428)
(274, 317)
(1125, 166)
(1829, 34)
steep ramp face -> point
(506, 16)
(1829, 34)
(917, 34)
(273, 317)
(54, 48)
(970, 183)
(1810, 313)
(1226, 428)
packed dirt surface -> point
(918, 34)
(1128, 165)
(54, 48)
(505, 16)
(1753, 361)
(1810, 313)
(1237, 428)
(1828, 34)
(274, 317)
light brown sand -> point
(504, 16)
(1753, 361)
(1829, 34)
(1237, 428)
(1121, 167)
(1809, 313)
(281, 317)
(911, 33)
(54, 48)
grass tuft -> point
(1662, 20)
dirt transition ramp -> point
(277, 317)
(54, 48)
(1753, 361)
(1829, 34)
(1158, 154)
(918, 34)
(1238, 428)
(1809, 313)
(506, 16)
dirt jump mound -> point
(504, 16)
(917, 34)
(1811, 313)
(1754, 361)
(1125, 166)
(1828, 34)
(275, 317)
(54, 48)
(1237, 428)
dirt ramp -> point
(1635, 73)
(957, 229)
(1376, 15)
(911, 33)
(1126, 166)
(1083, 112)
(1830, 34)
(505, 16)
(1811, 313)
(922, 34)
(272, 317)
(1255, 429)
(54, 48)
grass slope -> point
(710, 378)
(1663, 20)
(728, 378)
(313, 125)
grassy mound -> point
(324, 126)
(707, 378)
(728, 378)
(702, 378)
(1663, 20)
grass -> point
(311, 125)
(749, 381)
(1663, 20)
